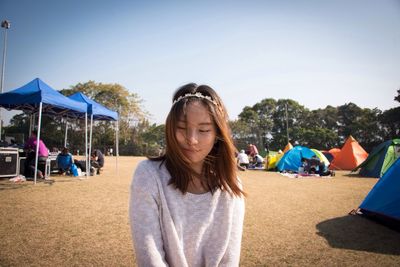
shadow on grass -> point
(67, 180)
(357, 175)
(358, 233)
(5, 184)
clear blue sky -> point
(318, 53)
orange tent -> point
(287, 147)
(334, 151)
(351, 155)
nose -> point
(191, 138)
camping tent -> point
(334, 151)
(38, 97)
(291, 160)
(96, 112)
(274, 159)
(331, 154)
(383, 201)
(351, 155)
(321, 156)
(380, 159)
(287, 147)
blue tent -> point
(98, 111)
(383, 201)
(291, 161)
(28, 98)
(38, 97)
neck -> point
(196, 187)
(197, 167)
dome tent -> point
(291, 160)
(380, 159)
(383, 201)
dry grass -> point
(289, 222)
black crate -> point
(8, 162)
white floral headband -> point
(198, 95)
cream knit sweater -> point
(174, 229)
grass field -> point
(289, 222)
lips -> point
(191, 150)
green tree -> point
(117, 98)
(397, 98)
(289, 125)
(241, 134)
(250, 117)
(362, 124)
(390, 121)
(18, 128)
(265, 110)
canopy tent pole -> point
(66, 133)
(37, 142)
(90, 139)
(86, 146)
(117, 144)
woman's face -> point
(196, 134)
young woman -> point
(187, 206)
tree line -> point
(269, 122)
(277, 122)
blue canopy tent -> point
(97, 112)
(38, 97)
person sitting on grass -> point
(243, 159)
(314, 164)
(258, 161)
(324, 171)
(64, 161)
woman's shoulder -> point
(149, 165)
(149, 171)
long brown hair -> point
(219, 169)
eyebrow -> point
(201, 123)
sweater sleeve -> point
(145, 218)
(232, 254)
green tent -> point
(321, 156)
(380, 159)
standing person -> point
(30, 148)
(187, 206)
